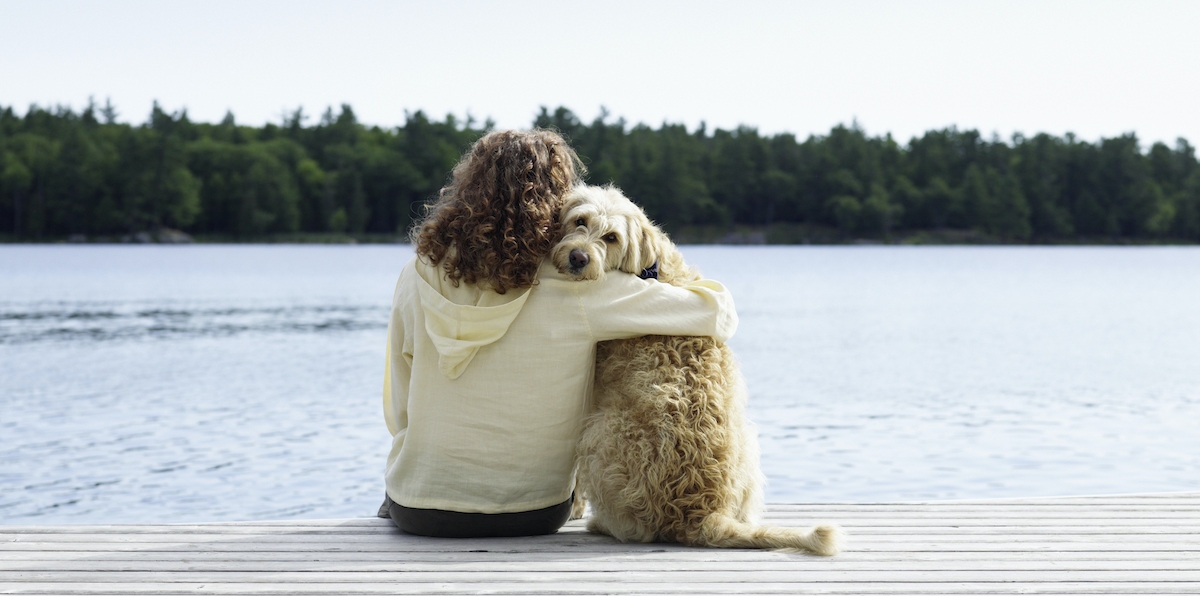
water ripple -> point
(74, 322)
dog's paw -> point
(578, 508)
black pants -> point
(453, 524)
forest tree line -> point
(66, 173)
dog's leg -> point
(596, 526)
(579, 507)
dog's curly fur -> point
(667, 453)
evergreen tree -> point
(64, 173)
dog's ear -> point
(571, 200)
(645, 243)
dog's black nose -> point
(578, 259)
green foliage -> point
(338, 221)
(65, 173)
(944, 204)
(880, 213)
(845, 210)
(1006, 214)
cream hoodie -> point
(485, 393)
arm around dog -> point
(621, 305)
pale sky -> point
(1095, 67)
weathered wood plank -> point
(859, 545)
(629, 554)
(1128, 504)
(58, 570)
(877, 533)
(1114, 503)
(584, 575)
(1007, 514)
(873, 520)
(650, 587)
(401, 542)
(947, 532)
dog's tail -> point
(725, 532)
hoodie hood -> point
(458, 330)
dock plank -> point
(1122, 544)
(630, 587)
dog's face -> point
(603, 231)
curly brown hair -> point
(498, 217)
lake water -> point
(205, 383)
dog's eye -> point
(610, 238)
(580, 222)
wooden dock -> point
(1137, 544)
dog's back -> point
(669, 454)
(671, 443)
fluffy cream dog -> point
(667, 453)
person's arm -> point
(622, 305)
(397, 373)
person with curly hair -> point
(491, 350)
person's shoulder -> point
(410, 276)
(421, 268)
(550, 277)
